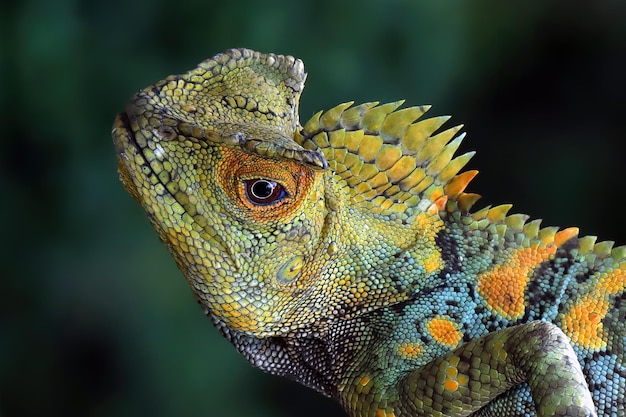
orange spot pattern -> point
(410, 350)
(451, 385)
(429, 225)
(433, 262)
(444, 330)
(453, 379)
(582, 323)
(503, 286)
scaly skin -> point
(343, 254)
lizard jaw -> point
(127, 150)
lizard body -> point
(343, 253)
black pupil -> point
(263, 192)
(263, 189)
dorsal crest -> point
(397, 163)
(394, 162)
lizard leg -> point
(469, 377)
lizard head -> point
(278, 226)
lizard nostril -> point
(165, 133)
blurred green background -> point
(95, 319)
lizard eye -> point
(263, 192)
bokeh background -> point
(95, 319)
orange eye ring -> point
(261, 189)
(264, 192)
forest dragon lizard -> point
(343, 253)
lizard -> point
(344, 253)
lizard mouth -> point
(120, 131)
(127, 149)
(133, 167)
(136, 158)
(124, 138)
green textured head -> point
(276, 226)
